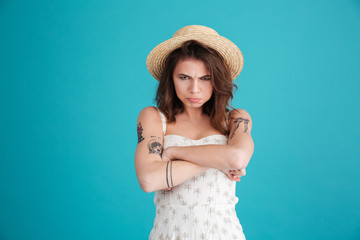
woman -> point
(192, 148)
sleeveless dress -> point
(203, 207)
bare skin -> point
(193, 88)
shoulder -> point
(149, 121)
(236, 113)
(148, 112)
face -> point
(192, 82)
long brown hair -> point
(216, 106)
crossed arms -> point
(151, 159)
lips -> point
(194, 100)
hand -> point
(235, 174)
(238, 172)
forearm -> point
(180, 172)
(224, 157)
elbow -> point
(145, 184)
(239, 159)
(145, 187)
(147, 190)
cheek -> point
(179, 89)
(209, 89)
(176, 87)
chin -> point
(195, 105)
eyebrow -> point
(182, 74)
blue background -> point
(74, 79)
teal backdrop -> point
(74, 79)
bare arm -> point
(240, 123)
(235, 155)
(212, 156)
(150, 169)
(181, 172)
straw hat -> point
(230, 52)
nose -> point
(195, 86)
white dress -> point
(203, 207)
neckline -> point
(213, 135)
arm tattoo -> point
(156, 137)
(155, 146)
(237, 122)
(139, 132)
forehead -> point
(190, 65)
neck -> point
(193, 113)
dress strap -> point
(163, 120)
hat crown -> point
(194, 29)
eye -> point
(206, 78)
(182, 77)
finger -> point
(233, 173)
(236, 173)
(235, 178)
(230, 176)
(240, 172)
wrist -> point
(172, 152)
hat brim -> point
(230, 52)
